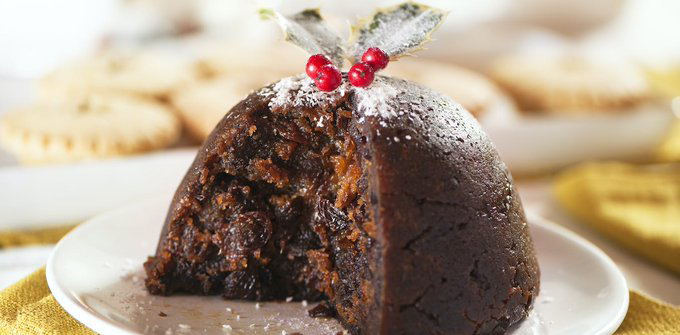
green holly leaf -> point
(398, 30)
(309, 31)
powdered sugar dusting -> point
(385, 101)
(300, 91)
(377, 99)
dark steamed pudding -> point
(388, 202)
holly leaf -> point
(398, 30)
(308, 30)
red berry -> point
(329, 78)
(361, 74)
(376, 57)
(315, 63)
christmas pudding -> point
(375, 195)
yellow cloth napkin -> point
(28, 307)
(665, 82)
(51, 235)
(669, 150)
(637, 206)
(647, 316)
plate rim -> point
(90, 319)
(68, 302)
(620, 315)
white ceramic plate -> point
(96, 274)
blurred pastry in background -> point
(472, 90)
(96, 126)
(570, 83)
(224, 78)
(203, 104)
(278, 57)
(141, 74)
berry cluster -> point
(327, 77)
